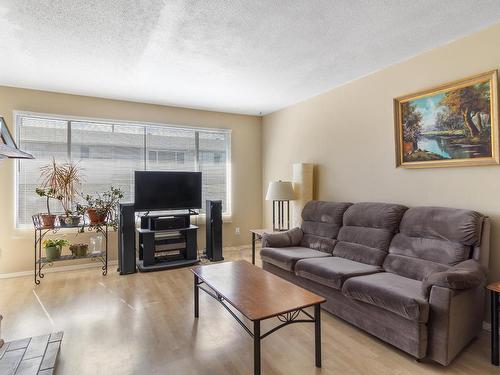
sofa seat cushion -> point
(332, 271)
(286, 257)
(398, 294)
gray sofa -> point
(413, 277)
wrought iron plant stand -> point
(41, 231)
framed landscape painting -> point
(452, 125)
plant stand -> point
(41, 262)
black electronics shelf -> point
(167, 241)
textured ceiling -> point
(227, 55)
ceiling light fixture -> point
(8, 148)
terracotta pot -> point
(95, 217)
(48, 220)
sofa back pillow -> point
(321, 222)
(432, 239)
(367, 231)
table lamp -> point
(281, 193)
(8, 148)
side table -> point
(494, 289)
(256, 236)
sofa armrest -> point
(464, 275)
(455, 318)
(291, 237)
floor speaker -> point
(214, 230)
(126, 239)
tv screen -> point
(167, 190)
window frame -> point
(18, 114)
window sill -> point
(202, 219)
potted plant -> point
(101, 208)
(79, 249)
(69, 179)
(95, 210)
(60, 181)
(48, 220)
(53, 248)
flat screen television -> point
(167, 190)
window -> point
(110, 152)
(214, 173)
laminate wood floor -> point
(144, 324)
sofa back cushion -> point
(321, 222)
(367, 231)
(432, 239)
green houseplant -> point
(101, 208)
(48, 220)
(79, 249)
(60, 182)
(53, 248)
(69, 179)
(49, 189)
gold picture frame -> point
(452, 125)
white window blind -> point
(110, 152)
(212, 156)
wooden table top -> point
(256, 293)
(260, 232)
(495, 287)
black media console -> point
(167, 241)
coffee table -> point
(258, 295)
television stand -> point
(167, 242)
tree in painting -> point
(412, 126)
(447, 120)
(454, 124)
(470, 102)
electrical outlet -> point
(237, 231)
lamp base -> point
(280, 229)
(280, 221)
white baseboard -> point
(238, 248)
(91, 265)
(57, 269)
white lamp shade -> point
(280, 191)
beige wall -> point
(349, 134)
(16, 248)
